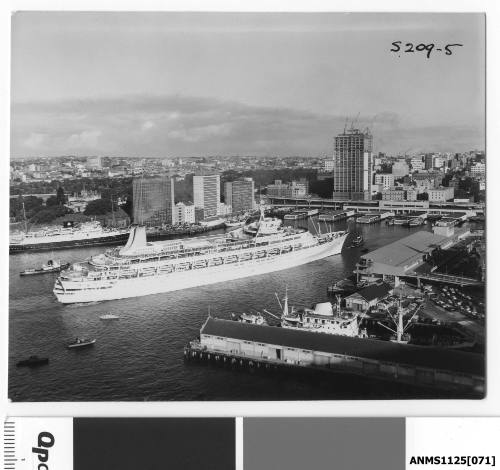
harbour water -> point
(140, 356)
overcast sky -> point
(164, 84)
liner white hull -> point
(147, 285)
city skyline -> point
(241, 84)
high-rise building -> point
(153, 201)
(352, 172)
(206, 193)
(240, 194)
(428, 161)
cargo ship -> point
(67, 236)
(142, 268)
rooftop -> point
(423, 356)
(407, 250)
(374, 291)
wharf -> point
(335, 216)
(256, 345)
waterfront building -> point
(427, 180)
(411, 194)
(441, 194)
(394, 194)
(206, 193)
(403, 256)
(184, 213)
(240, 194)
(292, 347)
(153, 201)
(368, 297)
(353, 165)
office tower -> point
(428, 161)
(352, 171)
(206, 193)
(240, 194)
(153, 201)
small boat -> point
(33, 361)
(415, 222)
(109, 316)
(254, 319)
(50, 267)
(344, 286)
(81, 342)
(232, 223)
(357, 241)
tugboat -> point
(50, 267)
(81, 342)
(357, 241)
(33, 361)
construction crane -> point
(355, 120)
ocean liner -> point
(51, 238)
(143, 268)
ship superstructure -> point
(322, 318)
(142, 268)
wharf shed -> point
(427, 366)
(402, 256)
(368, 296)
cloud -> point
(83, 140)
(147, 125)
(34, 140)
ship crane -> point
(399, 322)
(272, 314)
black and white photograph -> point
(247, 206)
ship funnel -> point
(136, 240)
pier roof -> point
(407, 250)
(373, 291)
(423, 356)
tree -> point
(423, 197)
(98, 207)
(32, 204)
(61, 198)
(52, 201)
(48, 214)
(323, 188)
